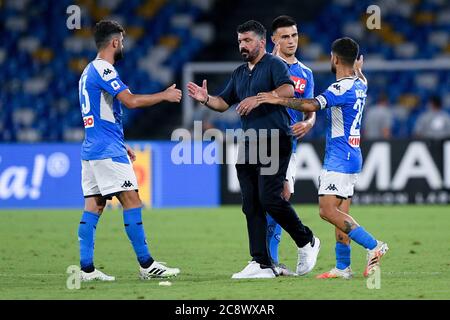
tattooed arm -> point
(304, 105)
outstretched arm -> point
(304, 105)
(132, 101)
(250, 103)
(201, 95)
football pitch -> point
(209, 245)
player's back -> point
(101, 111)
(344, 100)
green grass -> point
(208, 245)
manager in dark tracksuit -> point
(260, 192)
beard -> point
(333, 68)
(249, 56)
(118, 55)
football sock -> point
(86, 238)
(132, 219)
(363, 238)
(343, 252)
(273, 238)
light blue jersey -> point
(304, 88)
(344, 101)
(101, 111)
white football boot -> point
(336, 273)
(95, 275)
(254, 271)
(374, 257)
(307, 257)
(157, 270)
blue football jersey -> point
(101, 111)
(344, 102)
(304, 88)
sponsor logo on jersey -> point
(300, 84)
(88, 121)
(354, 141)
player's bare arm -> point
(250, 103)
(304, 105)
(358, 69)
(131, 101)
(201, 95)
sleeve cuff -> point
(322, 101)
(120, 90)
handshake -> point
(201, 95)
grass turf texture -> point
(209, 245)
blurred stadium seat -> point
(40, 62)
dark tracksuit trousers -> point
(262, 193)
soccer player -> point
(344, 101)
(106, 166)
(285, 38)
(261, 192)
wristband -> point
(207, 100)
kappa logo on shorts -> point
(331, 187)
(127, 184)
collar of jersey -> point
(353, 78)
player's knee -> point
(95, 205)
(130, 199)
(324, 213)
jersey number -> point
(356, 125)
(85, 102)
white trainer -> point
(157, 270)
(374, 256)
(95, 275)
(334, 273)
(254, 271)
(307, 257)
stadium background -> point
(41, 61)
(169, 41)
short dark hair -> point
(252, 25)
(347, 49)
(282, 21)
(104, 30)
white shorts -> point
(107, 177)
(291, 172)
(336, 183)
